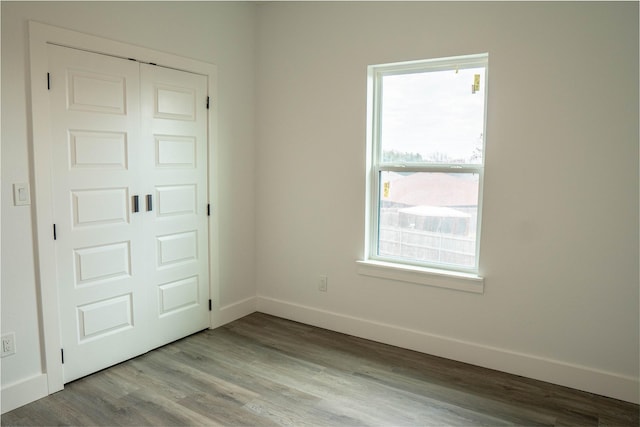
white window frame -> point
(406, 270)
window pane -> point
(429, 217)
(434, 117)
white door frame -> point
(39, 36)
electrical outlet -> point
(8, 344)
(322, 283)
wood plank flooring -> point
(265, 371)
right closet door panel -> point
(174, 141)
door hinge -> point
(210, 305)
(62, 355)
(48, 81)
(55, 236)
(208, 209)
(207, 102)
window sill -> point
(422, 276)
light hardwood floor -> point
(264, 371)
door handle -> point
(149, 202)
(136, 207)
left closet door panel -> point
(95, 111)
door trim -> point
(40, 35)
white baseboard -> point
(553, 371)
(26, 391)
(232, 312)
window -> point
(426, 148)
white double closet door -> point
(130, 206)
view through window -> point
(428, 120)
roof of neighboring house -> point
(431, 189)
(435, 211)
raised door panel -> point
(102, 318)
(100, 263)
(177, 200)
(174, 102)
(98, 149)
(177, 248)
(178, 295)
(175, 152)
(100, 206)
(93, 91)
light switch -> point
(21, 194)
